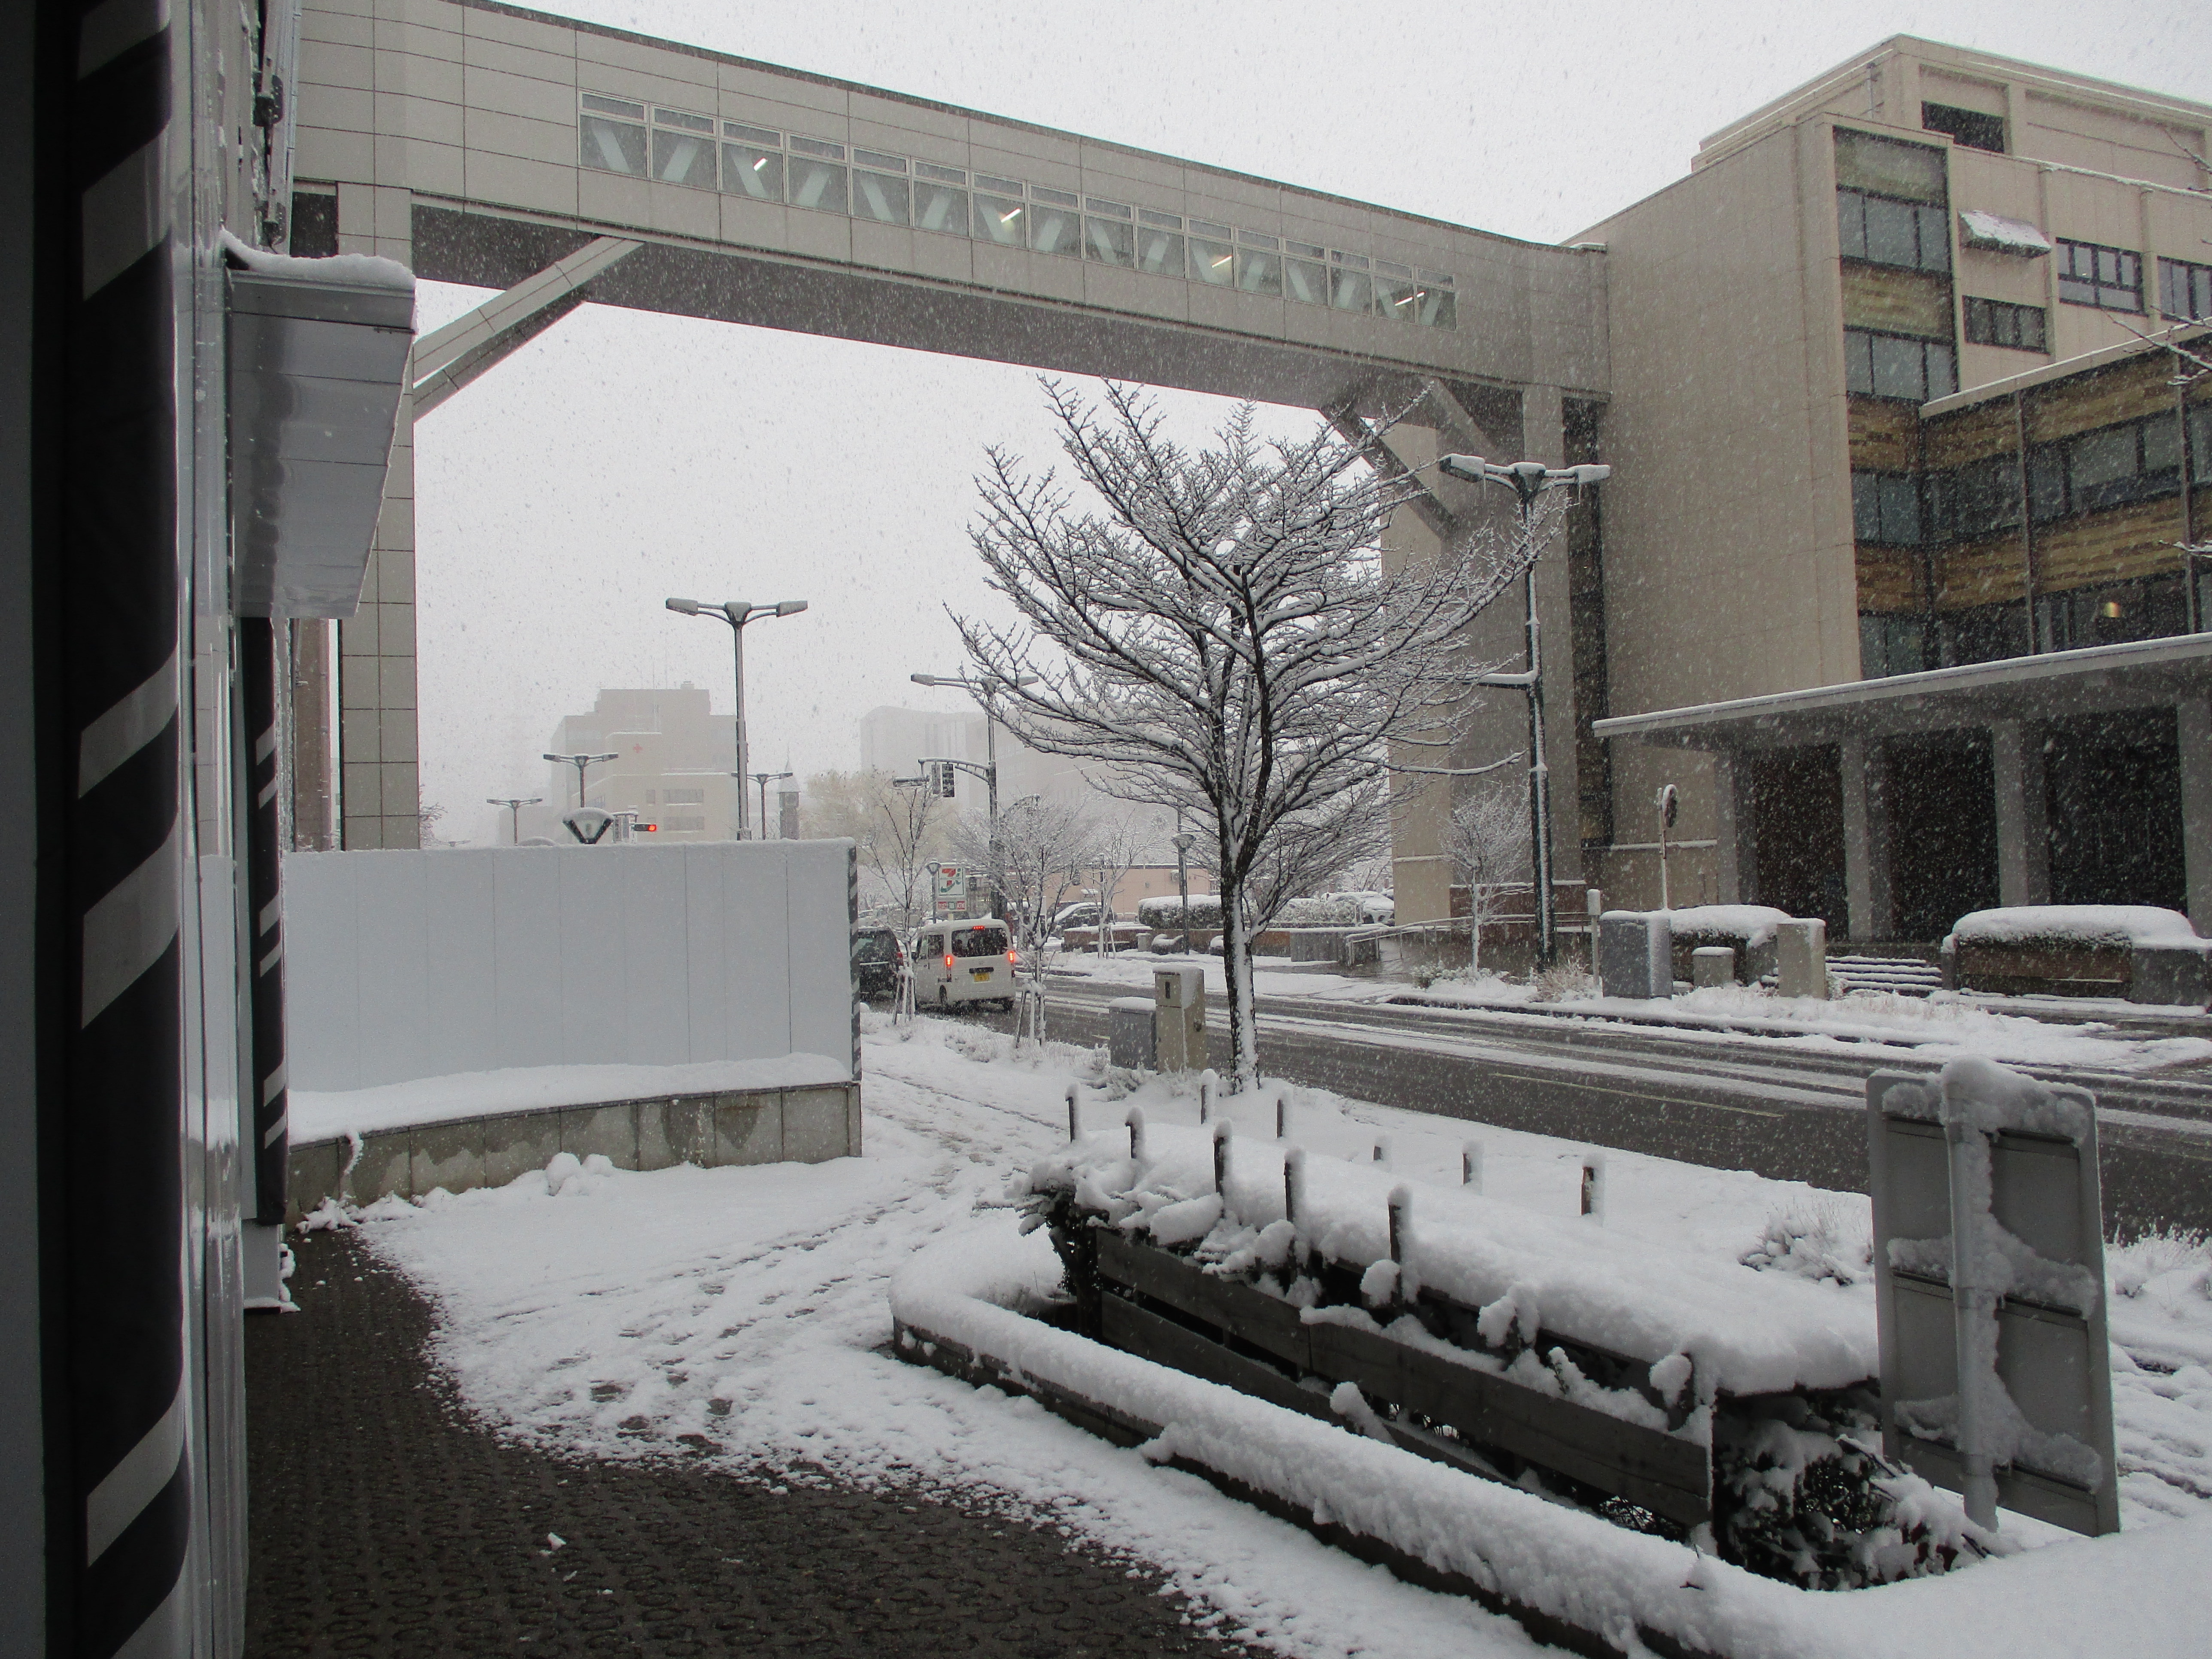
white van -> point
(963, 962)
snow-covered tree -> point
(1036, 860)
(1119, 842)
(1488, 845)
(1217, 630)
(898, 830)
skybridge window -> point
(1259, 264)
(1305, 277)
(748, 170)
(1160, 242)
(1435, 304)
(1054, 225)
(1212, 260)
(881, 197)
(1349, 289)
(1000, 219)
(815, 181)
(940, 200)
(1108, 235)
(1395, 296)
(613, 145)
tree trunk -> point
(1236, 969)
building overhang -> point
(2057, 686)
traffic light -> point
(947, 779)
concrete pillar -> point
(380, 789)
(2023, 813)
(1872, 908)
(2193, 727)
(1737, 855)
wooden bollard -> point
(1282, 1116)
(1384, 1152)
(1222, 1130)
(1594, 1187)
(1294, 1183)
(1401, 1207)
(1470, 1167)
(1074, 1116)
(1208, 1081)
(1136, 1132)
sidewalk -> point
(383, 1524)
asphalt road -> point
(1730, 1103)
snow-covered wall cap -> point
(1988, 1096)
(1995, 233)
(354, 270)
(2110, 925)
(1754, 924)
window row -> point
(678, 147)
(1910, 642)
(2184, 290)
(2136, 460)
(2092, 275)
(1898, 365)
(1886, 232)
(1997, 323)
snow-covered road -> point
(740, 1314)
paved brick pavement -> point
(383, 1523)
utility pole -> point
(515, 804)
(1528, 480)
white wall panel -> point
(407, 964)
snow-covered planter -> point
(2080, 950)
(1669, 1394)
(1749, 930)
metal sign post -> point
(1989, 1264)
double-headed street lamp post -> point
(764, 779)
(580, 761)
(515, 804)
(1528, 480)
(738, 613)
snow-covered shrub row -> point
(1773, 1373)
(2101, 927)
(1168, 911)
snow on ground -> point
(741, 1315)
(1271, 976)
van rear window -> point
(979, 942)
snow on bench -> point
(2098, 926)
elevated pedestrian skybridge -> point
(560, 162)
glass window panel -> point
(877, 160)
(678, 158)
(755, 172)
(1866, 507)
(1211, 262)
(1108, 210)
(816, 185)
(1259, 271)
(1850, 223)
(1257, 238)
(2161, 445)
(614, 146)
(2099, 458)
(760, 137)
(1164, 220)
(1935, 238)
(1899, 370)
(1054, 230)
(879, 197)
(1436, 308)
(2200, 444)
(1054, 197)
(2046, 482)
(1110, 241)
(1212, 232)
(1889, 232)
(1866, 163)
(607, 106)
(997, 220)
(677, 117)
(939, 208)
(1943, 371)
(1160, 253)
(1355, 261)
(998, 187)
(1901, 510)
(1394, 299)
(1352, 290)
(823, 148)
(1305, 250)
(1306, 282)
(1389, 267)
(1858, 361)
(942, 175)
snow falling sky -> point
(621, 458)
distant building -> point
(674, 766)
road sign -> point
(950, 881)
(2008, 1165)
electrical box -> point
(1179, 1017)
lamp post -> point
(1183, 842)
(515, 804)
(1528, 480)
(764, 779)
(982, 689)
(580, 761)
(935, 870)
(738, 613)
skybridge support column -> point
(379, 780)
(1543, 438)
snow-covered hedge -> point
(1337, 910)
(2108, 926)
(1167, 911)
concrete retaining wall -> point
(753, 1126)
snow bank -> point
(317, 1115)
(2113, 926)
(1745, 1332)
(1754, 924)
(2081, 1596)
(359, 269)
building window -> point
(1969, 127)
(1891, 643)
(2089, 275)
(683, 797)
(1886, 508)
(1886, 166)
(1898, 365)
(1912, 235)
(2184, 290)
(1978, 499)
(613, 145)
(1995, 322)
(2112, 466)
(683, 148)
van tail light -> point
(948, 961)
(1012, 958)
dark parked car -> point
(877, 956)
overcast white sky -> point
(621, 458)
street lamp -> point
(515, 804)
(1528, 480)
(982, 689)
(764, 779)
(738, 613)
(1183, 842)
(580, 761)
